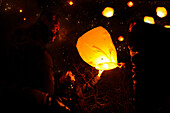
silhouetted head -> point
(66, 79)
(51, 21)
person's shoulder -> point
(47, 58)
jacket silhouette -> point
(28, 79)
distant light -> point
(161, 12)
(25, 19)
(149, 20)
(130, 4)
(108, 12)
(9, 7)
(121, 38)
(166, 26)
(20, 10)
(71, 2)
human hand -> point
(100, 73)
(61, 104)
(57, 104)
(121, 65)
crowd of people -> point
(28, 83)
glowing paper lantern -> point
(108, 12)
(96, 48)
(71, 2)
(149, 19)
(121, 38)
(161, 12)
(20, 10)
(130, 4)
(167, 26)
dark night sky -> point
(77, 19)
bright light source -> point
(167, 26)
(71, 2)
(121, 38)
(130, 4)
(161, 12)
(108, 12)
(149, 20)
(106, 66)
(20, 10)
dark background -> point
(84, 15)
(75, 20)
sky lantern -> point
(97, 49)
(166, 26)
(130, 4)
(161, 12)
(70, 2)
(149, 19)
(108, 12)
(20, 10)
(121, 38)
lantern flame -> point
(106, 65)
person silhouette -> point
(28, 83)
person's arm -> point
(93, 82)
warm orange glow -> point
(149, 19)
(25, 18)
(130, 4)
(20, 10)
(108, 12)
(167, 26)
(161, 12)
(96, 48)
(71, 2)
(121, 38)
